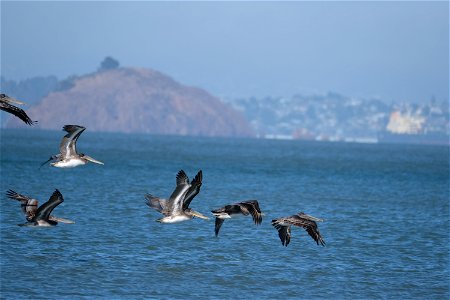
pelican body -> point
(250, 207)
(6, 105)
(68, 156)
(39, 216)
(176, 208)
(283, 226)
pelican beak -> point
(93, 160)
(12, 100)
(62, 220)
(199, 215)
(312, 218)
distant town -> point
(334, 117)
(328, 117)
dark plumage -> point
(39, 216)
(250, 207)
(5, 105)
(283, 225)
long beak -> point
(45, 163)
(312, 218)
(199, 215)
(62, 220)
(93, 160)
(12, 100)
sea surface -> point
(386, 228)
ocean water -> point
(386, 228)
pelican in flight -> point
(5, 104)
(68, 156)
(39, 216)
(283, 225)
(245, 208)
(176, 208)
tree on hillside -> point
(108, 63)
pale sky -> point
(397, 51)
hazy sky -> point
(393, 50)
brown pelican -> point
(283, 225)
(176, 208)
(39, 216)
(245, 208)
(5, 104)
(68, 156)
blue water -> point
(386, 211)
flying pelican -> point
(176, 208)
(245, 208)
(283, 225)
(5, 104)
(68, 156)
(39, 216)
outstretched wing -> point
(251, 207)
(157, 203)
(27, 204)
(67, 147)
(18, 112)
(193, 190)
(313, 231)
(309, 224)
(284, 230)
(218, 224)
(301, 220)
(175, 202)
(46, 209)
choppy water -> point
(386, 211)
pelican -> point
(5, 104)
(68, 156)
(245, 208)
(176, 208)
(283, 225)
(39, 216)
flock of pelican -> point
(174, 209)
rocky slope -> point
(137, 100)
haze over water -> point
(386, 211)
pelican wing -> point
(27, 204)
(157, 204)
(193, 190)
(251, 207)
(308, 223)
(284, 231)
(44, 211)
(18, 112)
(218, 224)
(300, 220)
(229, 210)
(68, 142)
(313, 231)
(175, 202)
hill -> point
(136, 100)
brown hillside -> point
(137, 100)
